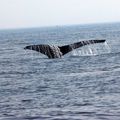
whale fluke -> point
(58, 51)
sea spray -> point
(92, 49)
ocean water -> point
(75, 87)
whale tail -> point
(68, 48)
(58, 51)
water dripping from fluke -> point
(92, 50)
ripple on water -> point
(33, 87)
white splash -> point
(92, 49)
(107, 47)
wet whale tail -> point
(58, 51)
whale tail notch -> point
(58, 51)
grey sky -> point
(36, 13)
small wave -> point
(82, 104)
(25, 118)
(26, 100)
(41, 88)
(36, 118)
(16, 73)
(85, 113)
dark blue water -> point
(33, 87)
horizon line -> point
(62, 25)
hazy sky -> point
(36, 13)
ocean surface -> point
(74, 87)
